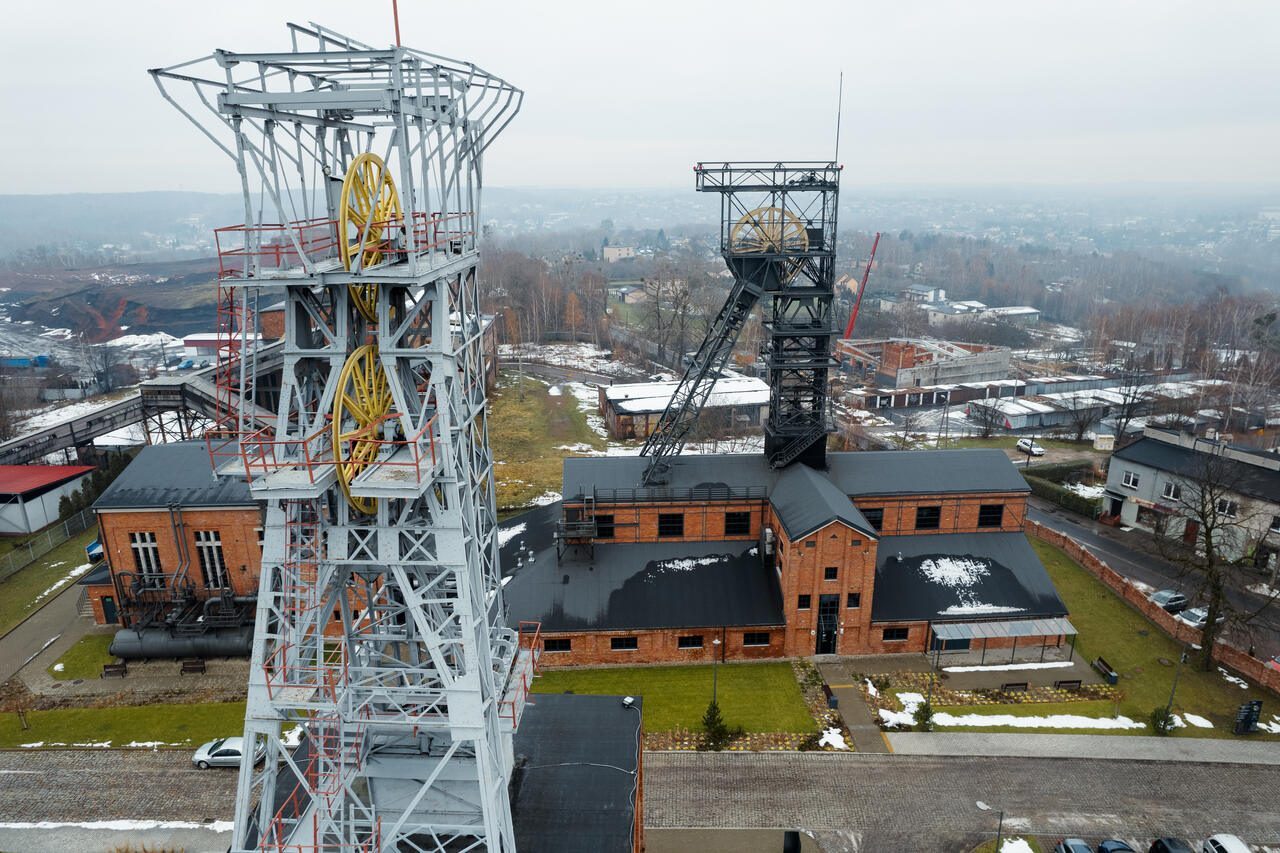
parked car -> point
(1028, 445)
(1114, 845)
(223, 752)
(1170, 845)
(1224, 843)
(1198, 617)
(1072, 845)
(1170, 599)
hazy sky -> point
(632, 94)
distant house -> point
(29, 494)
(923, 293)
(632, 410)
(612, 254)
(1021, 315)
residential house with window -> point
(1170, 482)
(732, 559)
(176, 537)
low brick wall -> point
(1226, 655)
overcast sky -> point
(632, 94)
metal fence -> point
(45, 541)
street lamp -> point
(1000, 827)
(715, 656)
(1168, 709)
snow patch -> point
(871, 689)
(1009, 667)
(506, 534)
(58, 667)
(1015, 845)
(545, 498)
(1264, 589)
(1238, 682)
(1052, 721)
(956, 572)
(70, 576)
(970, 609)
(833, 739)
(121, 825)
(1197, 721)
(1085, 491)
(553, 391)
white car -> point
(1198, 617)
(223, 752)
(1223, 843)
(1028, 445)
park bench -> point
(1014, 687)
(1072, 684)
(1106, 670)
(193, 666)
(119, 670)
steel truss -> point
(778, 238)
(380, 635)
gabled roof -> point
(1237, 476)
(805, 501)
(174, 474)
(34, 479)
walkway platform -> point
(1122, 747)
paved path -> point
(866, 735)
(57, 619)
(917, 803)
(1105, 747)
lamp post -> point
(1000, 826)
(715, 656)
(1182, 658)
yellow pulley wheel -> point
(361, 404)
(770, 230)
(369, 201)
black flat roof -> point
(1236, 476)
(857, 474)
(961, 577)
(179, 473)
(573, 789)
(643, 585)
(805, 500)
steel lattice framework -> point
(380, 635)
(778, 238)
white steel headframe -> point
(380, 633)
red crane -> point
(848, 330)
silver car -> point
(223, 752)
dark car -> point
(1072, 845)
(1113, 845)
(1170, 845)
(1169, 599)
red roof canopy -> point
(20, 479)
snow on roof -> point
(637, 397)
(1010, 310)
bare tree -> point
(1083, 411)
(104, 360)
(986, 416)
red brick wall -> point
(917, 639)
(237, 529)
(803, 565)
(959, 512)
(659, 646)
(1225, 654)
(702, 521)
(272, 324)
(95, 594)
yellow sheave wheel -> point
(369, 198)
(772, 230)
(362, 401)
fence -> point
(1226, 655)
(43, 542)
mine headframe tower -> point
(380, 636)
(778, 238)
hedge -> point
(1061, 472)
(1065, 498)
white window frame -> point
(1131, 479)
(213, 564)
(1227, 507)
(1275, 524)
(1172, 491)
(146, 557)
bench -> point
(1014, 687)
(832, 702)
(1067, 684)
(119, 670)
(192, 666)
(1107, 671)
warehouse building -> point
(29, 494)
(632, 410)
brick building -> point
(183, 547)
(734, 559)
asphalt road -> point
(57, 621)
(1125, 553)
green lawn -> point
(760, 697)
(123, 725)
(84, 659)
(1110, 628)
(18, 593)
(529, 435)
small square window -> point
(990, 515)
(1131, 479)
(692, 641)
(831, 573)
(1227, 507)
(804, 602)
(624, 644)
(557, 644)
(854, 599)
(755, 638)
(671, 524)
(895, 635)
(811, 544)
(604, 527)
(928, 517)
(1171, 491)
(737, 524)
(874, 517)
